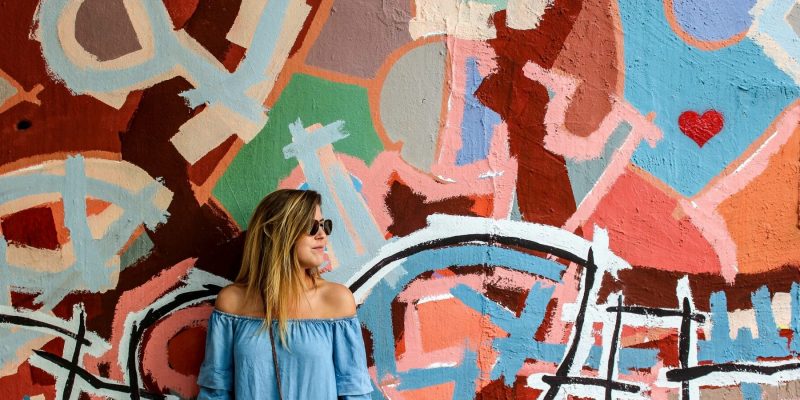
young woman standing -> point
(281, 331)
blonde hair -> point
(269, 262)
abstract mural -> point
(536, 199)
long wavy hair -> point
(269, 262)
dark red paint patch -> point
(544, 193)
(409, 210)
(655, 288)
(701, 128)
(32, 227)
(202, 169)
(186, 350)
(25, 301)
(210, 23)
(301, 36)
(180, 11)
(497, 390)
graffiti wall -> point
(534, 199)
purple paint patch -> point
(713, 20)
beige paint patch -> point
(99, 223)
(782, 391)
(782, 310)
(742, 319)
(41, 260)
(208, 129)
(526, 14)
(462, 19)
(129, 177)
(244, 26)
(726, 393)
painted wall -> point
(543, 199)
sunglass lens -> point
(327, 226)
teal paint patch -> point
(140, 248)
(584, 174)
(7, 90)
(498, 4)
(667, 76)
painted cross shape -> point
(325, 174)
(519, 345)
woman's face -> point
(310, 249)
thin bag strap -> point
(275, 361)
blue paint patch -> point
(667, 76)
(477, 125)
(795, 322)
(713, 20)
(520, 344)
(721, 348)
(630, 359)
(750, 391)
(357, 185)
(464, 376)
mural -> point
(536, 199)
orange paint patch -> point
(96, 206)
(443, 391)
(448, 323)
(763, 217)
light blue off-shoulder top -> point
(325, 360)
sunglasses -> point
(325, 224)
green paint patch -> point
(260, 165)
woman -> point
(318, 351)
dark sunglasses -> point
(326, 224)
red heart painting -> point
(701, 128)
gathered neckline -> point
(249, 317)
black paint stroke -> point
(75, 356)
(93, 380)
(34, 323)
(657, 312)
(613, 354)
(684, 343)
(563, 369)
(486, 238)
(692, 373)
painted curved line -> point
(709, 45)
(545, 238)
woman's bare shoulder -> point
(338, 299)
(231, 299)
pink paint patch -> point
(644, 230)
